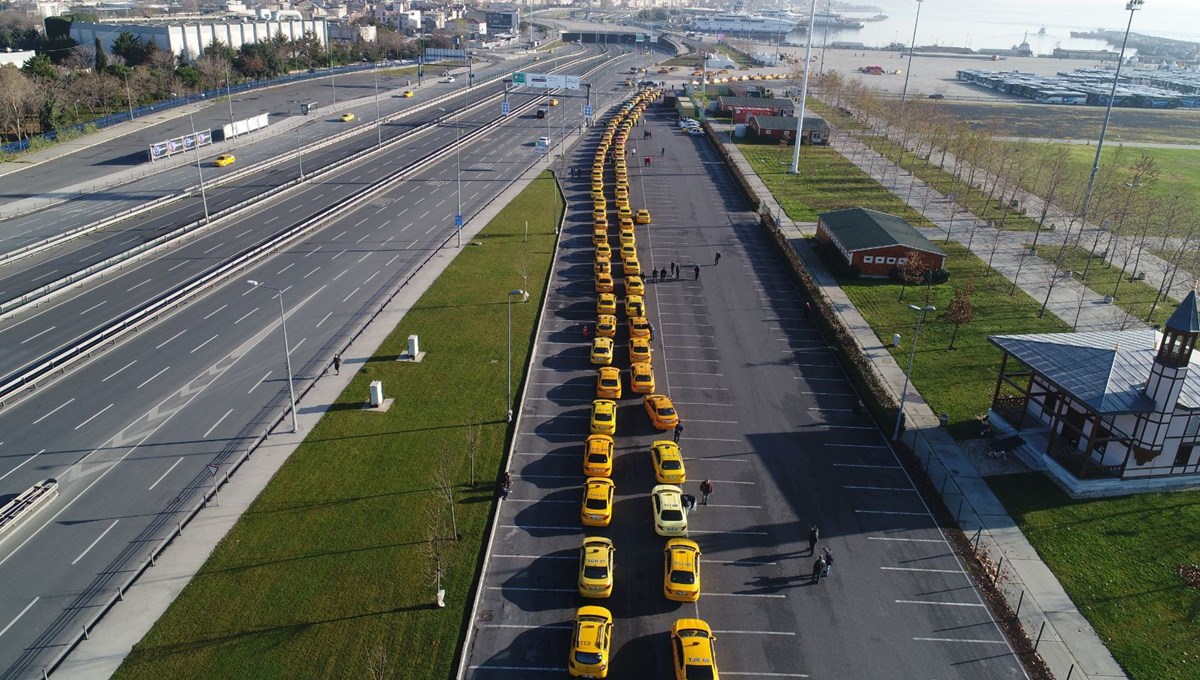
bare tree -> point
(436, 547)
(17, 101)
(1054, 159)
(377, 662)
(911, 271)
(444, 488)
(474, 441)
(961, 309)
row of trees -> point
(990, 178)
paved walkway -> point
(1068, 644)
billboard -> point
(545, 80)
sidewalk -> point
(1068, 644)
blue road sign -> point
(587, 111)
(458, 221)
(504, 108)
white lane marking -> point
(892, 512)
(165, 342)
(164, 475)
(323, 319)
(204, 343)
(339, 235)
(212, 249)
(147, 381)
(178, 265)
(267, 222)
(908, 540)
(313, 251)
(260, 381)
(982, 642)
(34, 337)
(93, 306)
(297, 346)
(344, 272)
(14, 621)
(929, 571)
(95, 416)
(877, 488)
(215, 311)
(120, 369)
(364, 257)
(359, 224)
(60, 406)
(377, 272)
(249, 230)
(243, 317)
(93, 543)
(338, 255)
(352, 293)
(389, 262)
(139, 285)
(293, 264)
(21, 464)
(314, 271)
(214, 425)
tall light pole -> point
(229, 97)
(524, 297)
(196, 145)
(812, 21)
(458, 218)
(911, 355)
(299, 153)
(1131, 6)
(911, 48)
(287, 351)
(378, 122)
(128, 95)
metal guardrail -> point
(26, 504)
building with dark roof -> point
(782, 129)
(741, 108)
(1105, 412)
(876, 243)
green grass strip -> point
(330, 563)
(1118, 560)
(1135, 297)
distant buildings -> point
(16, 58)
(188, 40)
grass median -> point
(330, 570)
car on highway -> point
(635, 305)
(668, 462)
(681, 570)
(590, 643)
(223, 160)
(553, 102)
(694, 132)
(639, 327)
(634, 285)
(407, 94)
(604, 416)
(606, 303)
(661, 411)
(641, 378)
(347, 117)
(608, 383)
(639, 351)
(596, 567)
(670, 519)
(692, 653)
(602, 351)
(447, 79)
(604, 283)
(642, 216)
(597, 502)
(606, 326)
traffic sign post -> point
(458, 221)
(504, 108)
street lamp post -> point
(378, 122)
(812, 21)
(911, 48)
(458, 219)
(911, 355)
(196, 145)
(300, 153)
(287, 351)
(229, 98)
(524, 297)
(128, 96)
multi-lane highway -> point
(769, 418)
(130, 433)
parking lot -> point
(769, 418)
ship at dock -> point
(743, 24)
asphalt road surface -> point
(768, 417)
(129, 435)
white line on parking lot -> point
(754, 632)
(539, 500)
(549, 477)
(807, 378)
(541, 527)
(909, 540)
(730, 533)
(892, 512)
(544, 453)
(984, 642)
(723, 422)
(714, 375)
(561, 626)
(829, 394)
(710, 361)
(737, 563)
(859, 446)
(714, 439)
(874, 467)
(766, 675)
(686, 347)
(878, 488)
(831, 410)
(848, 427)
(931, 571)
(540, 557)
(690, 325)
(562, 401)
(709, 594)
(528, 669)
(538, 590)
(701, 403)
(745, 507)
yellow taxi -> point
(408, 94)
(596, 567)
(590, 643)
(631, 267)
(623, 211)
(598, 456)
(553, 102)
(622, 191)
(628, 251)
(604, 415)
(347, 117)
(604, 283)
(639, 326)
(597, 502)
(606, 326)
(603, 264)
(600, 204)
(692, 652)
(224, 159)
(635, 305)
(625, 223)
(668, 462)
(600, 213)
(606, 303)
(602, 351)
(634, 286)
(597, 186)
(667, 505)
(661, 410)
(603, 251)
(597, 194)
(622, 174)
(627, 238)
(608, 383)
(681, 570)
(643, 216)
(639, 351)
(599, 236)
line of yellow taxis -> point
(691, 639)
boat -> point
(742, 24)
(834, 20)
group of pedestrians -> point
(823, 563)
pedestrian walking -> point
(814, 534)
(634, 150)
(505, 484)
(337, 364)
(663, 152)
(674, 270)
(808, 310)
(653, 275)
(650, 330)
(818, 569)
(697, 271)
(662, 274)
(585, 331)
(647, 160)
(678, 431)
(717, 258)
(706, 488)
(827, 555)
(688, 501)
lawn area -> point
(826, 181)
(1117, 559)
(331, 561)
(1135, 297)
(1178, 172)
(1030, 120)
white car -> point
(543, 143)
(670, 515)
(689, 122)
(447, 79)
(694, 131)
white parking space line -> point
(537, 590)
(828, 394)
(879, 488)
(983, 642)
(689, 325)
(907, 540)
(573, 558)
(687, 347)
(18, 617)
(707, 361)
(558, 626)
(556, 415)
(873, 467)
(772, 596)
(526, 669)
(859, 446)
(714, 375)
(892, 512)
(546, 453)
(730, 533)
(754, 632)
(737, 563)
(93, 543)
(540, 527)
(714, 439)
(930, 571)
(766, 675)
(533, 477)
(718, 505)
(722, 422)
(539, 500)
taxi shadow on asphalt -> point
(569, 423)
(546, 520)
(573, 358)
(574, 389)
(556, 470)
(631, 657)
(538, 648)
(538, 586)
